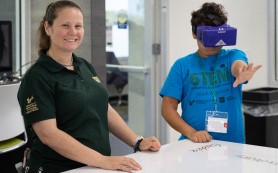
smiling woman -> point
(61, 97)
(65, 30)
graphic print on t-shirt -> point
(202, 84)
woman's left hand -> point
(150, 144)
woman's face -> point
(66, 33)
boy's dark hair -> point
(211, 14)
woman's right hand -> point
(119, 163)
(200, 136)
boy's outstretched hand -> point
(246, 73)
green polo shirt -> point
(76, 99)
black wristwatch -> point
(137, 144)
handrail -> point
(129, 68)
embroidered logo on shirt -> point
(29, 100)
(40, 170)
(31, 106)
(96, 79)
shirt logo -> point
(96, 79)
(29, 100)
(31, 105)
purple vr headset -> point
(213, 36)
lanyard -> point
(214, 72)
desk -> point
(11, 120)
(212, 157)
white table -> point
(213, 157)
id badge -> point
(216, 121)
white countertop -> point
(212, 157)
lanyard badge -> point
(216, 121)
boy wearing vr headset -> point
(208, 83)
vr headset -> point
(213, 36)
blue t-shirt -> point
(191, 82)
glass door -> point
(131, 63)
(125, 49)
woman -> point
(66, 106)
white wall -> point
(250, 17)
